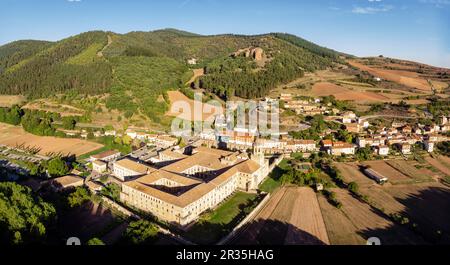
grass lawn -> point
(273, 181)
(212, 226)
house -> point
(192, 61)
(348, 117)
(110, 133)
(99, 166)
(126, 169)
(301, 146)
(353, 127)
(340, 148)
(406, 129)
(405, 148)
(443, 120)
(383, 150)
(327, 143)
(166, 141)
(66, 182)
(286, 97)
(429, 146)
(131, 133)
(107, 156)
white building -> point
(340, 148)
(429, 146)
(99, 166)
(383, 150)
(126, 169)
(107, 156)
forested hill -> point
(136, 68)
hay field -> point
(405, 78)
(341, 93)
(14, 136)
(187, 111)
(291, 217)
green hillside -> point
(136, 69)
(15, 52)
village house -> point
(110, 133)
(348, 117)
(429, 146)
(339, 148)
(383, 150)
(165, 141)
(270, 146)
(370, 141)
(405, 148)
(443, 120)
(301, 145)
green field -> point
(212, 226)
(273, 180)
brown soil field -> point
(408, 168)
(8, 101)
(425, 204)
(177, 97)
(442, 163)
(385, 169)
(292, 216)
(14, 136)
(401, 77)
(341, 230)
(371, 223)
(351, 172)
(342, 93)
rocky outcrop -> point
(255, 53)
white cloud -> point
(372, 10)
(375, 0)
(73, 1)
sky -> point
(417, 30)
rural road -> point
(387, 116)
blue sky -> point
(410, 29)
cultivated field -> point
(371, 223)
(183, 108)
(412, 192)
(291, 216)
(409, 79)
(8, 101)
(341, 230)
(442, 163)
(14, 136)
(342, 93)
